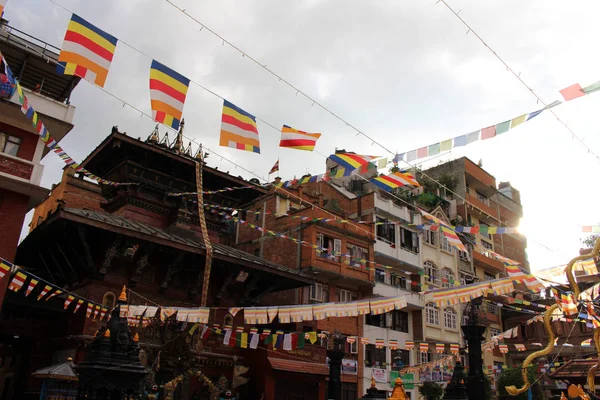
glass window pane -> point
(11, 148)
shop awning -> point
(298, 366)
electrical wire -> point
(277, 129)
(518, 77)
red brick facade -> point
(334, 273)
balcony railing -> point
(479, 196)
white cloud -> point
(404, 72)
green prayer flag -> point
(301, 337)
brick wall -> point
(28, 140)
(287, 253)
(72, 191)
(13, 207)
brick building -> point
(480, 201)
(94, 239)
(33, 63)
(294, 212)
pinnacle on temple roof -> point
(178, 144)
(154, 138)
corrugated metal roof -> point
(121, 222)
(300, 367)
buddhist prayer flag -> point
(205, 332)
(299, 140)
(513, 270)
(87, 51)
(423, 347)
(79, 303)
(32, 284)
(168, 90)
(520, 347)
(5, 267)
(393, 343)
(440, 347)
(103, 313)
(238, 129)
(409, 345)
(68, 301)
(454, 348)
(44, 291)
(88, 313)
(275, 167)
(586, 343)
(572, 92)
(393, 181)
(379, 343)
(227, 337)
(453, 239)
(351, 161)
(96, 311)
(287, 341)
(365, 340)
(56, 293)
(503, 348)
(17, 282)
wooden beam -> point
(142, 262)
(173, 269)
(47, 269)
(87, 254)
(228, 279)
(58, 266)
(110, 254)
(250, 286)
(60, 250)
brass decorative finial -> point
(178, 144)
(107, 333)
(136, 338)
(123, 295)
(188, 151)
(154, 138)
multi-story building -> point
(93, 239)
(33, 63)
(479, 202)
(294, 212)
(441, 324)
(398, 247)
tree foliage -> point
(590, 241)
(431, 390)
(513, 377)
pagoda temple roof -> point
(576, 369)
(128, 227)
(118, 148)
(64, 371)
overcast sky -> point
(407, 73)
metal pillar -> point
(335, 352)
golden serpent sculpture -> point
(576, 293)
(513, 390)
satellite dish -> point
(255, 181)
